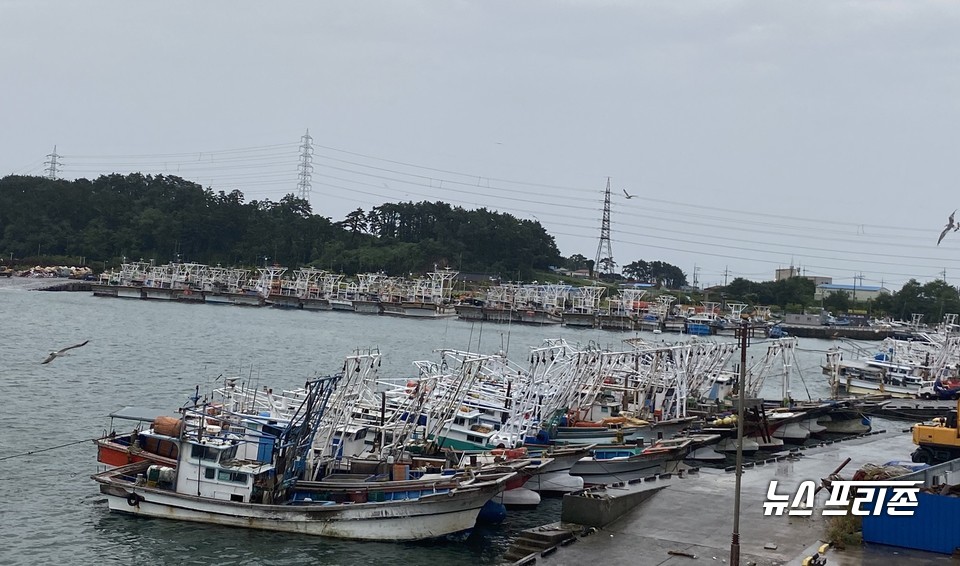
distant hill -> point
(169, 218)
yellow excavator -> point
(937, 441)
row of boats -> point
(359, 457)
(915, 365)
(430, 296)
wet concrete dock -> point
(693, 515)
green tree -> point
(837, 302)
(355, 222)
(576, 262)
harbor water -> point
(154, 354)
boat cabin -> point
(211, 469)
(348, 441)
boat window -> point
(203, 452)
(209, 473)
(229, 454)
(236, 477)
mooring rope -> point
(31, 452)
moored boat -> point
(213, 479)
(611, 464)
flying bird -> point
(950, 225)
(626, 194)
(58, 353)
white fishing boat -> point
(867, 377)
(214, 481)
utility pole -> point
(52, 164)
(305, 167)
(855, 277)
(741, 416)
(726, 272)
(696, 271)
(607, 264)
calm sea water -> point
(153, 354)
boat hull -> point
(430, 516)
(840, 424)
(129, 292)
(555, 483)
(596, 471)
(863, 387)
(519, 498)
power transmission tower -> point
(605, 264)
(52, 164)
(306, 166)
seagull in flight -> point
(626, 194)
(950, 224)
(58, 353)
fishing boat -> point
(213, 480)
(616, 463)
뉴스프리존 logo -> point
(846, 497)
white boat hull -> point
(845, 426)
(862, 387)
(519, 498)
(555, 482)
(813, 425)
(794, 432)
(431, 516)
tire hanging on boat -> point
(133, 500)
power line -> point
(188, 154)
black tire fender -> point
(134, 499)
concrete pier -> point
(830, 332)
(693, 515)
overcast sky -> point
(753, 135)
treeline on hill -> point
(167, 218)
